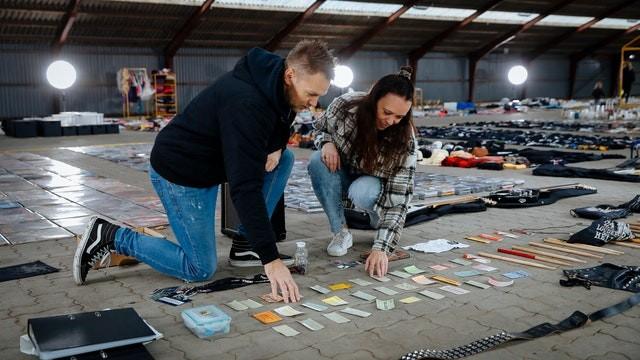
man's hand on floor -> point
(281, 279)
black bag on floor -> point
(600, 212)
(601, 232)
(619, 277)
(608, 211)
(358, 219)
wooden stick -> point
(567, 250)
(583, 247)
(546, 253)
(480, 240)
(636, 240)
(622, 243)
(517, 261)
(532, 256)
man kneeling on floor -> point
(234, 131)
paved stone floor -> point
(454, 320)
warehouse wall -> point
(24, 90)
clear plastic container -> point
(206, 321)
(301, 260)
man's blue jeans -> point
(363, 190)
(191, 213)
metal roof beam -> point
(608, 40)
(478, 54)
(277, 39)
(433, 42)
(558, 39)
(194, 20)
(347, 52)
(65, 26)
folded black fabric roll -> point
(567, 171)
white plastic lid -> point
(301, 244)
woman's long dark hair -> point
(386, 149)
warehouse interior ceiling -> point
(469, 27)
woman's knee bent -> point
(364, 191)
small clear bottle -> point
(301, 262)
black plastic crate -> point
(98, 129)
(49, 128)
(69, 130)
(112, 128)
(84, 129)
(24, 128)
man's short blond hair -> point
(312, 57)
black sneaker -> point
(248, 258)
(94, 248)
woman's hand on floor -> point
(281, 279)
(377, 263)
(330, 156)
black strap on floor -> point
(576, 320)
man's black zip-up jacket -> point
(225, 135)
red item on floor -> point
(459, 162)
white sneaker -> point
(340, 243)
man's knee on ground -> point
(197, 273)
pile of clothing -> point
(527, 138)
(492, 155)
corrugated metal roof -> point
(247, 23)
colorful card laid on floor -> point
(484, 267)
(286, 330)
(360, 282)
(498, 283)
(413, 270)
(477, 258)
(380, 278)
(467, 273)
(454, 290)
(477, 284)
(385, 304)
(431, 294)
(311, 324)
(356, 312)
(439, 267)
(400, 274)
(340, 286)
(320, 289)
(267, 317)
(516, 274)
(422, 280)
(363, 295)
(446, 280)
(334, 301)
(270, 299)
(409, 300)
(287, 311)
(251, 304)
(406, 286)
(386, 290)
(462, 262)
(237, 305)
(335, 317)
(314, 306)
